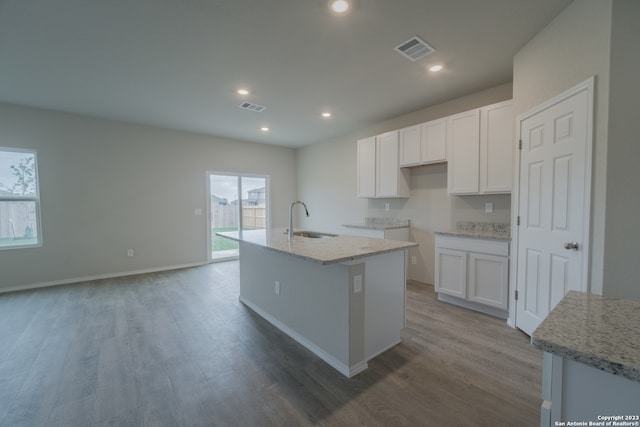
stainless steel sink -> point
(313, 234)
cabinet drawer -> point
(470, 244)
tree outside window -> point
(19, 199)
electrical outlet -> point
(488, 207)
(197, 211)
(387, 207)
(414, 260)
(357, 284)
(277, 288)
(129, 252)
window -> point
(237, 202)
(19, 199)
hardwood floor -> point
(178, 349)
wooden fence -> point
(227, 216)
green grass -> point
(220, 243)
(8, 242)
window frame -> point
(35, 198)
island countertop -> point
(598, 331)
(326, 250)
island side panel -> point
(385, 285)
(357, 360)
(313, 304)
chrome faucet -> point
(291, 216)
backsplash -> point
(494, 227)
(386, 221)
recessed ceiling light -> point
(243, 91)
(435, 68)
(340, 6)
(326, 114)
(264, 129)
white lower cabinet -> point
(473, 273)
(451, 272)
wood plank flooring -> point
(178, 349)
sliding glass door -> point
(236, 202)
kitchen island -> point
(342, 297)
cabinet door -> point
(366, 167)
(488, 280)
(434, 141)
(463, 143)
(390, 180)
(497, 144)
(451, 272)
(410, 146)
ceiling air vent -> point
(414, 49)
(252, 107)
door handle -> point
(573, 246)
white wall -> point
(570, 49)
(327, 183)
(107, 186)
(622, 232)
(601, 38)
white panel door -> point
(553, 206)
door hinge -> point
(520, 145)
(516, 295)
(518, 220)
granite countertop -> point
(480, 230)
(598, 331)
(379, 224)
(324, 250)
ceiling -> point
(178, 63)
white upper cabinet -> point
(379, 173)
(463, 169)
(497, 144)
(480, 150)
(423, 144)
(434, 141)
(366, 167)
(410, 146)
(478, 146)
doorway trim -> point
(587, 85)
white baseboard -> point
(348, 371)
(491, 311)
(97, 277)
